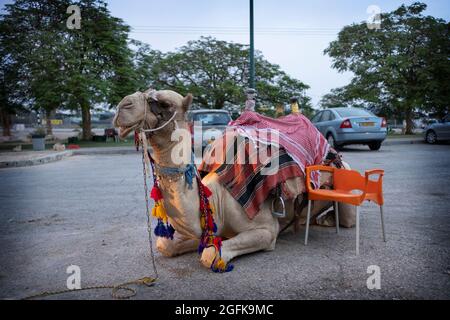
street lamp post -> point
(252, 49)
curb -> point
(392, 142)
(104, 151)
(36, 161)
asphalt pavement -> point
(89, 211)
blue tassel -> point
(228, 269)
(164, 231)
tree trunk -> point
(219, 104)
(48, 123)
(6, 122)
(86, 121)
(409, 122)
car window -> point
(354, 112)
(213, 118)
(325, 116)
(316, 117)
(332, 116)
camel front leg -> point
(243, 243)
(179, 245)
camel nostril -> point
(126, 105)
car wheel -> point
(332, 142)
(375, 145)
(431, 137)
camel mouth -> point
(125, 131)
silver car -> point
(343, 126)
(438, 131)
(207, 124)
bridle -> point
(152, 95)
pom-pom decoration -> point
(209, 228)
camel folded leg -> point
(243, 243)
(179, 245)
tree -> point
(398, 68)
(67, 68)
(30, 63)
(336, 98)
(216, 73)
(98, 66)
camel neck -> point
(182, 204)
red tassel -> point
(206, 191)
(210, 223)
(156, 194)
(218, 242)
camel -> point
(166, 109)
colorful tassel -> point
(163, 228)
(209, 228)
(220, 266)
(156, 194)
(208, 225)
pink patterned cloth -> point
(301, 139)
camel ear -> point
(187, 101)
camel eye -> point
(156, 109)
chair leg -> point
(357, 230)
(308, 216)
(382, 223)
(336, 211)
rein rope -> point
(164, 228)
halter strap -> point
(152, 94)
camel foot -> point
(208, 256)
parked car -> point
(343, 126)
(438, 131)
(207, 124)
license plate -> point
(366, 124)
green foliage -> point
(216, 73)
(62, 68)
(45, 66)
(401, 67)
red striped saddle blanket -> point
(257, 153)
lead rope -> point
(115, 289)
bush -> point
(73, 140)
(99, 138)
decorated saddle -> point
(257, 153)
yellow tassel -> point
(220, 264)
(159, 211)
(212, 209)
(202, 222)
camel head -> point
(149, 110)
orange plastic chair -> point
(344, 182)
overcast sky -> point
(291, 33)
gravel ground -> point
(89, 211)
